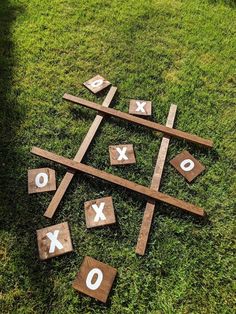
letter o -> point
(97, 83)
(187, 168)
(97, 283)
(45, 180)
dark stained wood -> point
(44, 241)
(115, 155)
(108, 213)
(158, 196)
(145, 110)
(101, 284)
(79, 156)
(35, 179)
(149, 124)
(96, 84)
(184, 157)
(156, 180)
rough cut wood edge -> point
(52, 207)
(156, 180)
(149, 124)
(149, 193)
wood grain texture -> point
(96, 89)
(149, 193)
(51, 184)
(147, 108)
(114, 155)
(79, 156)
(108, 276)
(63, 237)
(108, 212)
(149, 124)
(188, 175)
(155, 184)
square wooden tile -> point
(54, 241)
(41, 180)
(187, 165)
(95, 279)
(140, 107)
(99, 212)
(96, 84)
(122, 154)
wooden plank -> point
(149, 124)
(156, 180)
(79, 156)
(149, 193)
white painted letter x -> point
(122, 153)
(54, 242)
(98, 211)
(140, 106)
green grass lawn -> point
(168, 51)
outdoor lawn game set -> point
(94, 277)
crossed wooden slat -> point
(79, 156)
(151, 193)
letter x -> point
(140, 106)
(98, 211)
(54, 242)
(122, 153)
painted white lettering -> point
(97, 83)
(97, 283)
(122, 154)
(54, 242)
(187, 165)
(99, 212)
(41, 180)
(140, 106)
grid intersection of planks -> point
(152, 194)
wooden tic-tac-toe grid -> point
(95, 278)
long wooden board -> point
(149, 124)
(156, 181)
(149, 193)
(79, 156)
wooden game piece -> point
(149, 124)
(122, 154)
(99, 212)
(187, 165)
(149, 193)
(41, 180)
(156, 180)
(95, 279)
(140, 107)
(54, 241)
(79, 156)
(96, 84)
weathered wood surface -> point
(156, 180)
(149, 193)
(95, 279)
(79, 156)
(149, 124)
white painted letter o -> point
(189, 167)
(97, 283)
(97, 83)
(45, 180)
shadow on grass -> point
(21, 271)
(230, 3)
